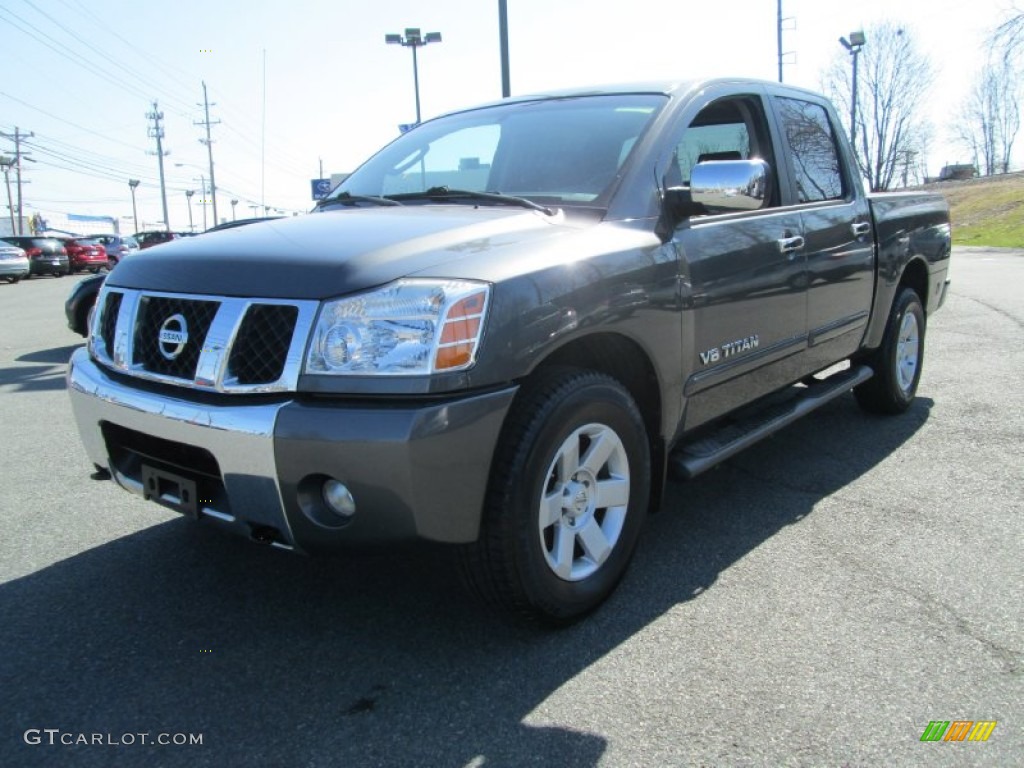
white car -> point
(13, 263)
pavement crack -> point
(997, 310)
(1012, 661)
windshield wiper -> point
(446, 193)
(347, 198)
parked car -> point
(149, 239)
(13, 263)
(84, 253)
(117, 247)
(81, 301)
(239, 223)
(46, 255)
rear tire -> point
(567, 498)
(897, 363)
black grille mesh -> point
(260, 350)
(153, 312)
(109, 324)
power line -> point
(69, 122)
(74, 58)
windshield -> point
(554, 151)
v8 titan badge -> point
(173, 336)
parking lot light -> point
(414, 39)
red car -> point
(85, 253)
(149, 239)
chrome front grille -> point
(153, 312)
(214, 343)
(258, 353)
(109, 324)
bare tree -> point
(1008, 37)
(990, 117)
(893, 82)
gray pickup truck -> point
(508, 327)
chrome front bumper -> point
(241, 437)
(417, 468)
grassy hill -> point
(988, 211)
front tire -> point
(567, 498)
(897, 363)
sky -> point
(309, 82)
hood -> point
(331, 253)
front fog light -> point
(338, 498)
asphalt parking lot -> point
(816, 601)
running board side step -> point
(738, 433)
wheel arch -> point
(625, 361)
(915, 276)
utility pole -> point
(209, 149)
(17, 136)
(157, 132)
(780, 28)
(7, 162)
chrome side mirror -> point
(730, 186)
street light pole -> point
(132, 184)
(414, 39)
(204, 202)
(853, 46)
(188, 196)
(7, 162)
(506, 83)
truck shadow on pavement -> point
(47, 373)
(280, 660)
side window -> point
(813, 147)
(728, 129)
(726, 141)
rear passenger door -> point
(836, 224)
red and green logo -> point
(958, 730)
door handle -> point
(861, 228)
(790, 244)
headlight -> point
(410, 327)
